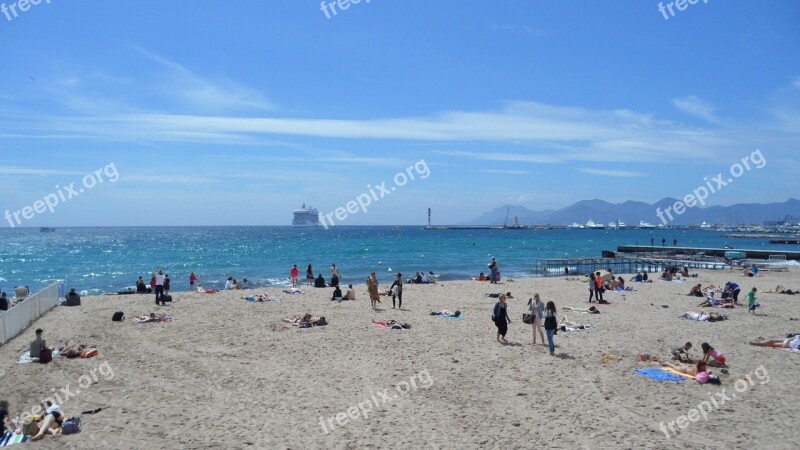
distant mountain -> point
(631, 212)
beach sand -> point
(227, 374)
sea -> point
(96, 260)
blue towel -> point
(451, 317)
(659, 375)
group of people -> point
(233, 284)
(540, 314)
(395, 291)
(422, 278)
(597, 287)
(319, 281)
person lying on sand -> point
(153, 317)
(590, 310)
(507, 294)
(201, 290)
(446, 313)
(791, 343)
(393, 324)
(712, 301)
(781, 290)
(702, 317)
(74, 351)
(699, 372)
(566, 325)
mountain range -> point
(632, 212)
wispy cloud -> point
(204, 94)
(610, 172)
(696, 107)
(507, 172)
(27, 171)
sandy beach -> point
(226, 373)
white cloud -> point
(697, 107)
(610, 172)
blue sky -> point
(235, 113)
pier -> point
(554, 267)
(695, 251)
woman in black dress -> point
(500, 317)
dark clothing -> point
(36, 347)
(159, 294)
(309, 275)
(141, 287)
(319, 282)
(166, 284)
(399, 295)
(500, 318)
(4, 304)
(73, 299)
(3, 415)
(337, 294)
(334, 280)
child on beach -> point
(752, 304)
(710, 352)
(680, 352)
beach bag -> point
(550, 323)
(166, 298)
(30, 428)
(71, 426)
(527, 318)
(118, 316)
(321, 322)
(45, 356)
(91, 353)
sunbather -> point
(566, 325)
(446, 313)
(696, 290)
(51, 421)
(590, 310)
(74, 351)
(682, 368)
(790, 343)
(712, 301)
(387, 323)
(702, 317)
(781, 290)
(153, 317)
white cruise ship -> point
(591, 224)
(645, 225)
(306, 217)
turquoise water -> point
(111, 259)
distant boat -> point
(576, 226)
(305, 217)
(645, 226)
(616, 225)
(47, 230)
(704, 226)
(591, 224)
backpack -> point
(321, 322)
(46, 356)
(166, 298)
(119, 316)
(71, 426)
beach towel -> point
(293, 291)
(659, 374)
(380, 325)
(25, 358)
(452, 317)
(8, 439)
(146, 319)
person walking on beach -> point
(397, 290)
(536, 308)
(159, 286)
(500, 317)
(592, 286)
(192, 281)
(372, 288)
(493, 268)
(309, 276)
(294, 275)
(550, 325)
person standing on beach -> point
(166, 283)
(592, 286)
(159, 286)
(493, 268)
(536, 308)
(335, 276)
(550, 325)
(294, 275)
(309, 276)
(598, 292)
(397, 290)
(192, 281)
(500, 317)
(372, 288)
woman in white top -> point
(790, 343)
(536, 307)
